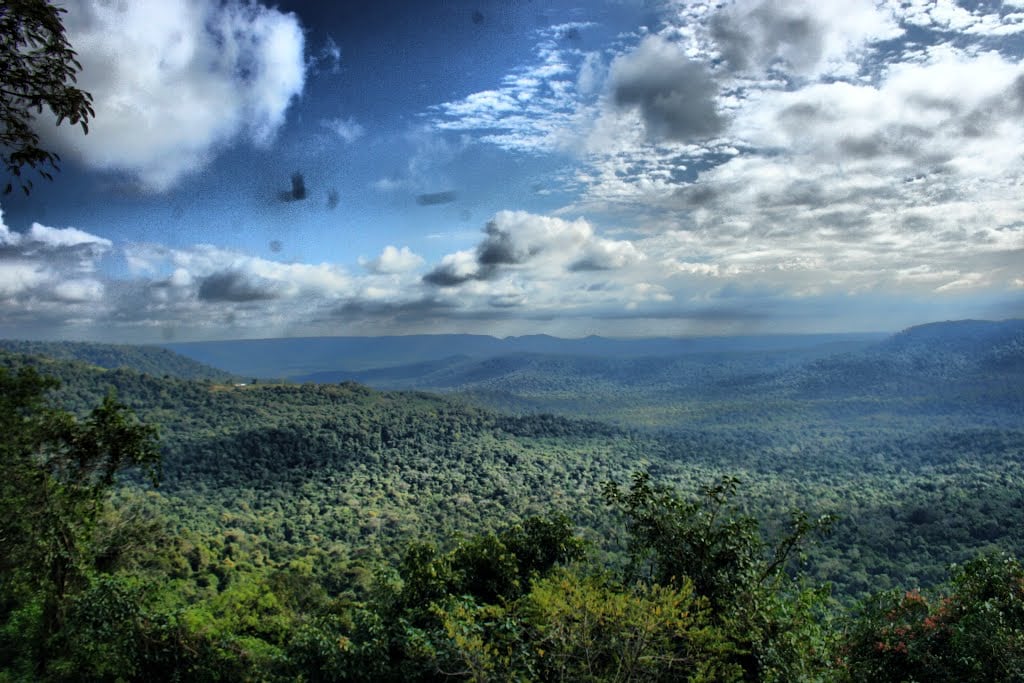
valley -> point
(914, 444)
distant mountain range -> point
(301, 358)
(930, 368)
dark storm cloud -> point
(298, 191)
(734, 43)
(675, 96)
(434, 198)
(234, 286)
(903, 140)
(64, 256)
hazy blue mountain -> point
(564, 373)
(303, 357)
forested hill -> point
(992, 345)
(151, 360)
(377, 467)
(971, 362)
(968, 336)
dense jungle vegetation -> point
(860, 528)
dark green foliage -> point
(278, 545)
(346, 474)
(488, 567)
(710, 544)
(57, 474)
(148, 360)
(38, 67)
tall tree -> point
(37, 69)
(57, 473)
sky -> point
(613, 167)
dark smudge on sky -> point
(298, 191)
(434, 198)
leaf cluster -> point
(38, 70)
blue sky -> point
(624, 168)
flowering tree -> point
(975, 633)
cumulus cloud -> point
(454, 269)
(208, 290)
(540, 246)
(174, 81)
(49, 264)
(394, 260)
(79, 291)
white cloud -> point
(394, 260)
(535, 107)
(591, 75)
(64, 237)
(79, 291)
(839, 173)
(809, 37)
(330, 55)
(18, 276)
(349, 130)
(951, 18)
(174, 81)
(47, 264)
